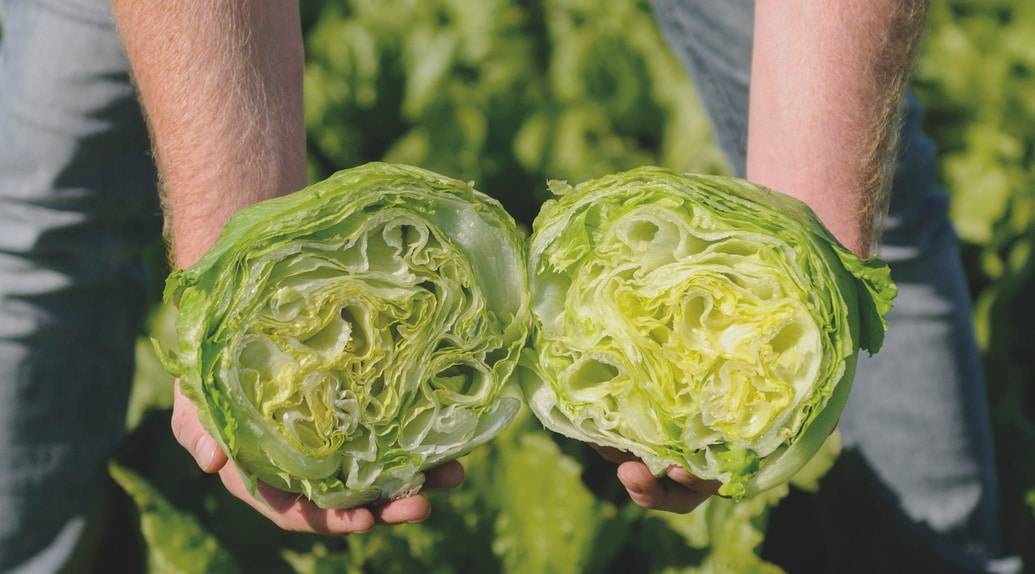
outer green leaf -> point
(696, 320)
(176, 542)
(548, 520)
(340, 340)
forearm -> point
(221, 85)
(826, 84)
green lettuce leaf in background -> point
(177, 543)
(699, 321)
(343, 339)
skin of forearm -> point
(220, 82)
(826, 88)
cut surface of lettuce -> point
(699, 321)
(341, 340)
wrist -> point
(196, 213)
(838, 202)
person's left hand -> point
(677, 491)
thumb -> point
(192, 436)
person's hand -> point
(678, 491)
(290, 510)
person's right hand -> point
(292, 511)
(677, 491)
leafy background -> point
(508, 93)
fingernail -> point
(680, 474)
(205, 452)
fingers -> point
(612, 454)
(447, 475)
(192, 436)
(680, 475)
(403, 511)
(291, 511)
(418, 508)
(285, 509)
(295, 513)
(680, 493)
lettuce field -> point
(508, 94)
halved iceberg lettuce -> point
(340, 340)
(699, 321)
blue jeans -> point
(77, 208)
(916, 487)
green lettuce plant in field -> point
(504, 93)
(975, 77)
(343, 339)
(699, 321)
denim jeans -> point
(915, 489)
(77, 207)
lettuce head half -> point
(343, 339)
(699, 321)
